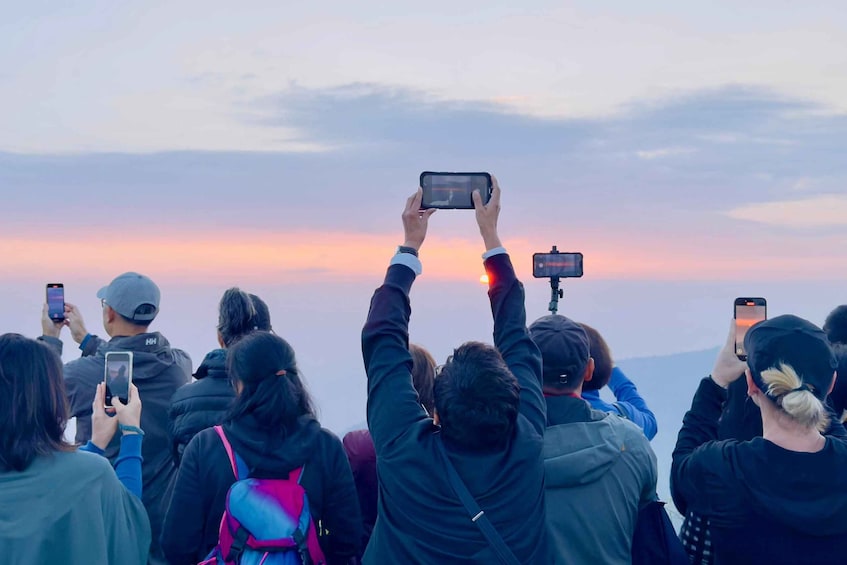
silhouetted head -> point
(264, 373)
(423, 375)
(603, 362)
(565, 353)
(476, 398)
(239, 314)
(33, 406)
(835, 325)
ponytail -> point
(236, 315)
(796, 398)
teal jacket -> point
(599, 469)
(70, 508)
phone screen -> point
(748, 311)
(56, 301)
(453, 190)
(118, 376)
(562, 265)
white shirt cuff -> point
(408, 260)
(493, 252)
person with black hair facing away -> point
(782, 497)
(60, 504)
(130, 303)
(203, 403)
(835, 327)
(466, 484)
(272, 427)
(599, 467)
(359, 445)
(628, 402)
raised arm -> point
(508, 306)
(393, 404)
(630, 402)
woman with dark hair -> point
(57, 503)
(359, 445)
(203, 403)
(628, 402)
(271, 426)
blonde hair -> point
(786, 388)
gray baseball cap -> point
(133, 296)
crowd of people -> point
(504, 453)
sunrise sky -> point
(693, 151)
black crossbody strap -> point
(477, 515)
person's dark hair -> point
(240, 313)
(477, 398)
(602, 356)
(33, 405)
(838, 396)
(272, 391)
(835, 325)
(423, 375)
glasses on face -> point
(102, 303)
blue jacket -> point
(420, 518)
(629, 403)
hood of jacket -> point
(151, 352)
(581, 445)
(272, 452)
(213, 365)
(806, 492)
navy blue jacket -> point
(421, 519)
(765, 504)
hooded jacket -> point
(420, 517)
(599, 470)
(205, 475)
(70, 508)
(158, 371)
(201, 404)
(766, 504)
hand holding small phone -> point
(128, 414)
(415, 221)
(728, 367)
(103, 424)
(487, 215)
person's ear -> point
(110, 314)
(589, 370)
(752, 388)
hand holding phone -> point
(118, 376)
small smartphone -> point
(56, 302)
(748, 311)
(561, 265)
(118, 375)
(452, 191)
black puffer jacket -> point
(201, 404)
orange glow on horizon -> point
(241, 255)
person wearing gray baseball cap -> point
(781, 497)
(130, 303)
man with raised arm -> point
(486, 431)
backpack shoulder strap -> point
(477, 515)
(234, 460)
(296, 475)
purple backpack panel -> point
(266, 521)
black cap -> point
(791, 341)
(564, 349)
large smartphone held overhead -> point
(748, 311)
(56, 302)
(454, 190)
(118, 375)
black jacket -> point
(199, 497)
(201, 404)
(420, 518)
(158, 371)
(766, 504)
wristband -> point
(135, 429)
(407, 249)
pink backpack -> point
(266, 521)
